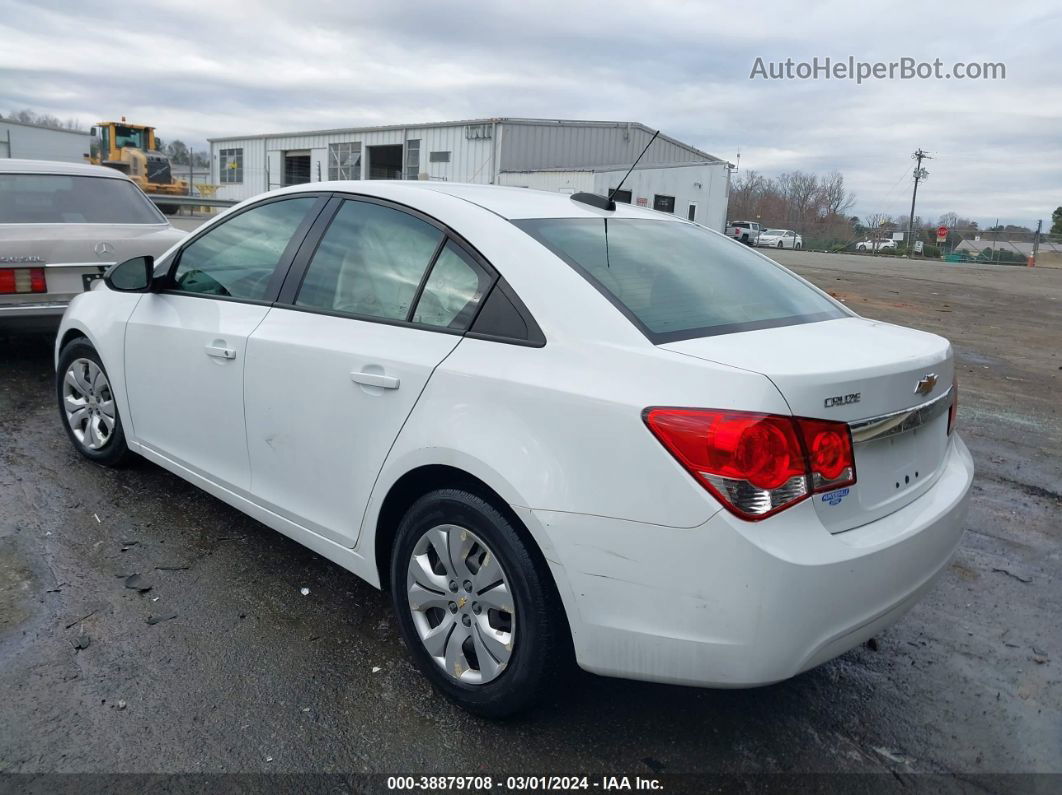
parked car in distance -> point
(550, 429)
(876, 245)
(61, 226)
(748, 232)
(780, 238)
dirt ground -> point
(252, 676)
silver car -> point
(61, 226)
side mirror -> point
(132, 276)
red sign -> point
(942, 234)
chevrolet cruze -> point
(552, 427)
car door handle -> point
(375, 379)
(220, 352)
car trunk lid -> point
(854, 370)
(74, 254)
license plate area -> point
(88, 278)
(891, 472)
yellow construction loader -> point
(132, 149)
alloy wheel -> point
(461, 604)
(89, 404)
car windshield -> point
(677, 281)
(778, 232)
(64, 199)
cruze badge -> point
(925, 384)
(842, 400)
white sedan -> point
(553, 427)
(780, 238)
(876, 245)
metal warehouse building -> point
(547, 154)
(34, 142)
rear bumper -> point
(41, 309)
(44, 315)
(737, 604)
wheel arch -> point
(379, 533)
(415, 483)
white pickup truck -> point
(748, 232)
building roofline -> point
(609, 168)
(6, 120)
(463, 122)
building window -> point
(413, 159)
(344, 160)
(621, 195)
(691, 212)
(438, 157)
(475, 132)
(665, 204)
(230, 166)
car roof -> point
(16, 166)
(510, 203)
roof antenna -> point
(615, 190)
(606, 202)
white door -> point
(274, 169)
(331, 380)
(185, 347)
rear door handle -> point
(219, 352)
(375, 379)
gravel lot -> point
(253, 676)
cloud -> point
(198, 71)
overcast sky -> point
(197, 70)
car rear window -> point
(677, 280)
(64, 199)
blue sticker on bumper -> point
(835, 497)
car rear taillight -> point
(756, 464)
(22, 280)
(953, 409)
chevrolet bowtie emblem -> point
(462, 601)
(925, 384)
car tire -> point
(527, 648)
(87, 406)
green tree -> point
(1056, 222)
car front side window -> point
(237, 258)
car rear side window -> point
(678, 280)
(237, 257)
(65, 199)
(370, 262)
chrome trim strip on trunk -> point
(895, 422)
(78, 264)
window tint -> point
(238, 257)
(61, 199)
(370, 262)
(452, 292)
(679, 280)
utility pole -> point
(1036, 243)
(919, 175)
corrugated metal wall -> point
(553, 181)
(528, 146)
(27, 142)
(469, 160)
